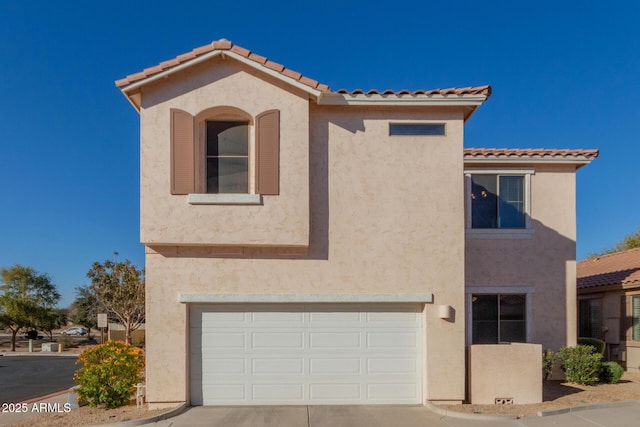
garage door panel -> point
(335, 392)
(278, 340)
(333, 340)
(277, 392)
(394, 340)
(393, 366)
(278, 366)
(223, 340)
(334, 365)
(272, 354)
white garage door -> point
(246, 354)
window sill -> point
(225, 199)
(496, 233)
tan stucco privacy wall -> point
(539, 262)
(379, 214)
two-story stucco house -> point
(310, 246)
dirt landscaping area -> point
(558, 394)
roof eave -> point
(135, 86)
(578, 161)
(466, 100)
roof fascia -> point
(334, 98)
(579, 161)
(126, 90)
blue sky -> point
(564, 75)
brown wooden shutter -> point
(182, 153)
(268, 153)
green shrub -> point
(109, 374)
(611, 372)
(549, 358)
(599, 345)
(581, 364)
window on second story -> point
(227, 154)
(498, 201)
(225, 151)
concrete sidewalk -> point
(611, 415)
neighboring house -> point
(310, 246)
(609, 304)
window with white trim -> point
(497, 318)
(498, 201)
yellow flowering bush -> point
(109, 374)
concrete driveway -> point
(615, 415)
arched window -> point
(223, 150)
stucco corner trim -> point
(304, 298)
(225, 199)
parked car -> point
(74, 331)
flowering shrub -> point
(109, 374)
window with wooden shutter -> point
(268, 153)
(182, 153)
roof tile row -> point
(224, 44)
(529, 152)
(619, 268)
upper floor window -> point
(498, 201)
(414, 129)
(227, 157)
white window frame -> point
(499, 233)
(528, 292)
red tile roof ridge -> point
(221, 45)
(526, 152)
(227, 45)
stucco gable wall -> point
(281, 220)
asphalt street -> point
(27, 377)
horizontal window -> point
(416, 129)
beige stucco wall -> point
(505, 371)
(543, 261)
(380, 214)
(167, 219)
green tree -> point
(24, 294)
(48, 319)
(630, 241)
(119, 287)
(86, 307)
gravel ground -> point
(558, 394)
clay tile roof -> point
(226, 45)
(529, 152)
(470, 90)
(619, 268)
(221, 45)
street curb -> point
(48, 396)
(38, 354)
(169, 414)
(571, 409)
(469, 416)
